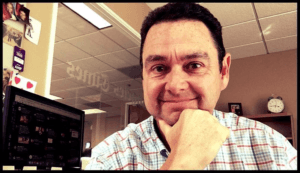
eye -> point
(193, 66)
(159, 68)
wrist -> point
(183, 162)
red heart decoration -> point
(29, 85)
(17, 80)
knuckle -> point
(186, 111)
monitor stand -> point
(38, 168)
(42, 168)
(18, 168)
(71, 169)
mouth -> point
(178, 100)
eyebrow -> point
(203, 55)
(155, 58)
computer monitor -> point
(37, 131)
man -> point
(184, 69)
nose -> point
(176, 81)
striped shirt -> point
(251, 146)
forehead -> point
(177, 33)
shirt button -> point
(164, 152)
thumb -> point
(163, 126)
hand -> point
(194, 140)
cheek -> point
(207, 89)
(152, 89)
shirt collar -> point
(159, 144)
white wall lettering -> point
(99, 81)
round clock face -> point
(275, 105)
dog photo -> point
(11, 36)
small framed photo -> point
(12, 36)
(235, 108)
(22, 13)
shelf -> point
(283, 117)
(284, 114)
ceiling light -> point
(52, 97)
(93, 111)
(88, 14)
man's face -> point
(22, 15)
(181, 70)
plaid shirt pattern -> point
(251, 146)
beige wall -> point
(102, 127)
(132, 13)
(36, 57)
(254, 79)
(87, 136)
(112, 125)
(98, 129)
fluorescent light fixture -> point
(88, 14)
(93, 111)
(52, 97)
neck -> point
(160, 135)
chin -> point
(173, 118)
(170, 113)
(170, 118)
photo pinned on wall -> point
(12, 36)
(5, 79)
(5, 83)
(8, 11)
(15, 11)
(235, 108)
(22, 13)
(33, 30)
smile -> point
(178, 100)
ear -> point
(225, 70)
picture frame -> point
(7, 11)
(235, 108)
(15, 11)
(12, 36)
(33, 30)
(22, 13)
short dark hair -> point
(179, 11)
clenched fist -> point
(194, 140)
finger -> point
(228, 133)
(163, 126)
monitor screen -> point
(40, 132)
